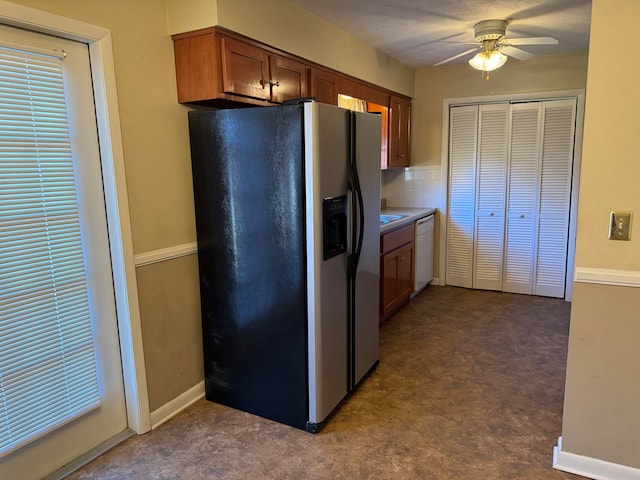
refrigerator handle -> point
(357, 201)
(357, 231)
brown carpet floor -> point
(469, 387)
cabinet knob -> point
(273, 84)
(402, 259)
(522, 215)
(492, 214)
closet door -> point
(463, 134)
(490, 207)
(539, 195)
(509, 196)
(522, 198)
(555, 197)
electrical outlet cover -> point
(620, 225)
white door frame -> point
(579, 95)
(98, 40)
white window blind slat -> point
(34, 306)
(47, 360)
(44, 338)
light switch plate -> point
(620, 225)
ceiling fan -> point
(493, 47)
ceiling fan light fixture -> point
(487, 61)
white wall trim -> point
(178, 404)
(591, 467)
(91, 455)
(156, 256)
(604, 276)
(98, 40)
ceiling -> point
(415, 31)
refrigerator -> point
(287, 202)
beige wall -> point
(602, 399)
(187, 15)
(170, 300)
(432, 85)
(283, 25)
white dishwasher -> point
(423, 266)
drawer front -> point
(397, 238)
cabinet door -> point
(384, 143)
(555, 197)
(245, 69)
(491, 179)
(396, 271)
(324, 86)
(399, 132)
(522, 196)
(462, 195)
(289, 79)
(389, 274)
(405, 271)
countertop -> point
(413, 214)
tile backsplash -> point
(413, 187)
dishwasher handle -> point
(424, 223)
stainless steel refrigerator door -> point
(326, 147)
(367, 291)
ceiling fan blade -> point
(516, 53)
(531, 41)
(455, 56)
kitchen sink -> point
(385, 219)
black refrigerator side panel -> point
(248, 176)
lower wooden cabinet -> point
(396, 269)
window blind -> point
(47, 361)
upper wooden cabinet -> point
(324, 86)
(399, 132)
(289, 78)
(214, 66)
(220, 68)
(245, 69)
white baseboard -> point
(164, 254)
(591, 467)
(178, 404)
(91, 455)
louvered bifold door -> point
(555, 197)
(491, 180)
(463, 130)
(522, 198)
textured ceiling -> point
(415, 31)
